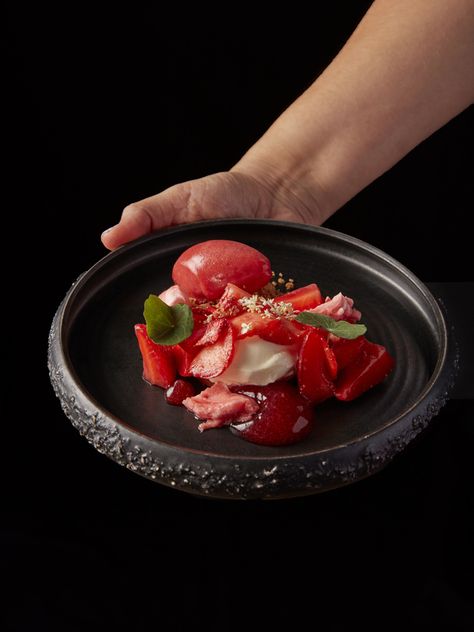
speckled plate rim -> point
(103, 428)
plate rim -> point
(61, 348)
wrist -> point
(288, 183)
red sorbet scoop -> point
(204, 270)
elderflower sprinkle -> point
(266, 307)
(245, 328)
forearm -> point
(405, 71)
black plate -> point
(95, 366)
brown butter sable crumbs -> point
(269, 290)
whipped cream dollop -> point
(258, 362)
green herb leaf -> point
(340, 328)
(183, 325)
(167, 325)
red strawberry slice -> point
(158, 362)
(213, 360)
(277, 330)
(180, 390)
(250, 324)
(331, 362)
(312, 371)
(283, 332)
(183, 358)
(212, 332)
(346, 351)
(229, 301)
(303, 298)
(372, 366)
(284, 417)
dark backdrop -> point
(105, 108)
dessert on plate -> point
(239, 346)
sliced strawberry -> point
(159, 367)
(331, 362)
(183, 358)
(213, 360)
(346, 351)
(212, 332)
(303, 298)
(199, 316)
(229, 301)
(277, 330)
(251, 324)
(370, 367)
(283, 417)
(179, 391)
(282, 332)
(312, 372)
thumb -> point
(147, 215)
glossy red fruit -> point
(213, 360)
(183, 358)
(331, 362)
(370, 367)
(211, 332)
(303, 298)
(251, 324)
(282, 332)
(312, 368)
(284, 416)
(229, 301)
(204, 270)
(179, 391)
(277, 330)
(159, 366)
(346, 351)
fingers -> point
(134, 223)
(146, 216)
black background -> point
(107, 108)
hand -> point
(223, 195)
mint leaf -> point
(183, 325)
(167, 325)
(340, 328)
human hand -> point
(229, 194)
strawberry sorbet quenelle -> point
(238, 346)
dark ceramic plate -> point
(95, 366)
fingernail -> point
(107, 230)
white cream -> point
(258, 362)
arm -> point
(406, 70)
